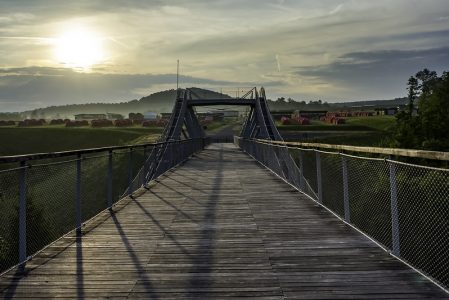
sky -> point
(56, 52)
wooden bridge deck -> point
(219, 226)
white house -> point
(149, 115)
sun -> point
(79, 48)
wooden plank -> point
(219, 227)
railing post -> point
(302, 184)
(257, 152)
(145, 164)
(264, 154)
(110, 179)
(346, 190)
(287, 165)
(170, 158)
(318, 177)
(277, 163)
(78, 193)
(130, 172)
(394, 211)
(22, 213)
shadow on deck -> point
(219, 226)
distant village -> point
(147, 119)
(335, 116)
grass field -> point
(357, 131)
(373, 139)
(15, 140)
(381, 123)
(51, 183)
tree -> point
(427, 130)
(434, 113)
(280, 100)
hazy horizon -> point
(57, 53)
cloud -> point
(278, 62)
(28, 87)
(382, 73)
(230, 41)
(15, 18)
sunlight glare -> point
(79, 48)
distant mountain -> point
(163, 102)
(156, 102)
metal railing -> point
(44, 196)
(404, 207)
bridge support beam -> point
(183, 121)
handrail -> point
(434, 155)
(68, 192)
(27, 157)
(392, 202)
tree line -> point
(425, 121)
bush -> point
(123, 123)
(101, 123)
(155, 123)
(57, 122)
(76, 123)
(31, 122)
(7, 123)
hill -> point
(156, 102)
(163, 102)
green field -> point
(357, 131)
(50, 183)
(369, 131)
(15, 140)
(380, 123)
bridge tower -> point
(184, 123)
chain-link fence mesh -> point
(9, 222)
(423, 206)
(332, 182)
(50, 205)
(404, 207)
(309, 169)
(59, 193)
(120, 174)
(94, 184)
(369, 197)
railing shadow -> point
(180, 193)
(79, 266)
(139, 266)
(10, 291)
(162, 228)
(203, 260)
(172, 206)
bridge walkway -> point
(220, 226)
